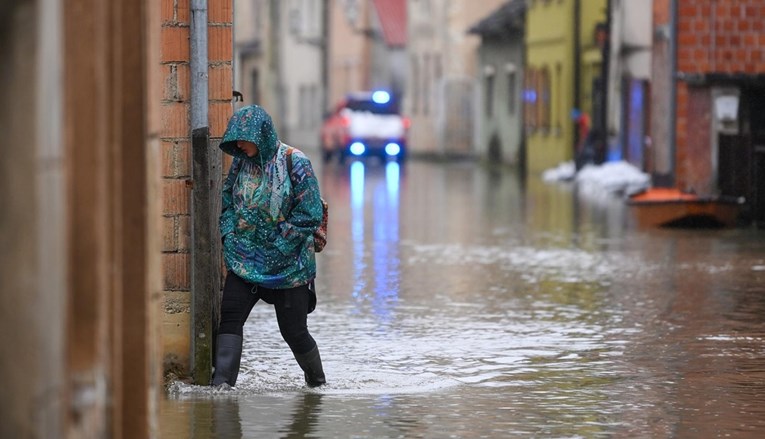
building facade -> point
(279, 49)
(367, 48)
(628, 108)
(501, 59)
(349, 48)
(441, 93)
(389, 58)
(80, 255)
(563, 67)
(711, 78)
(252, 71)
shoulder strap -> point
(289, 161)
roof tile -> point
(392, 14)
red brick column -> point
(176, 156)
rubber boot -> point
(310, 362)
(228, 354)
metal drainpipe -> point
(201, 218)
(577, 70)
(673, 13)
(325, 4)
(605, 65)
(198, 63)
(277, 46)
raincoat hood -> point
(253, 124)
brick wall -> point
(660, 12)
(721, 36)
(714, 36)
(176, 155)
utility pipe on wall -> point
(577, 28)
(202, 267)
(673, 33)
(605, 70)
(198, 64)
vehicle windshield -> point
(371, 106)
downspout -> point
(673, 15)
(276, 69)
(605, 71)
(577, 99)
(198, 65)
(577, 69)
(201, 217)
(325, 57)
(522, 152)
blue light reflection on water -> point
(357, 227)
(616, 333)
(386, 261)
(392, 175)
(382, 198)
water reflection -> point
(386, 244)
(238, 415)
(357, 228)
(381, 195)
(226, 421)
(306, 414)
(454, 304)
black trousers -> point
(292, 307)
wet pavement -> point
(460, 302)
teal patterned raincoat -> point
(267, 225)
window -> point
(543, 91)
(416, 82)
(352, 11)
(530, 100)
(312, 25)
(488, 98)
(255, 91)
(302, 104)
(437, 67)
(558, 91)
(426, 76)
(258, 11)
(370, 106)
(537, 98)
(304, 19)
(512, 96)
(316, 105)
(425, 7)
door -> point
(758, 202)
(636, 113)
(734, 165)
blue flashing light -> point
(381, 97)
(358, 148)
(392, 149)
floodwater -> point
(459, 302)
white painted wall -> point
(441, 84)
(301, 59)
(632, 29)
(289, 68)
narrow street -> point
(455, 301)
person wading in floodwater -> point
(271, 209)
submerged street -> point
(457, 301)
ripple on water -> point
(425, 351)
